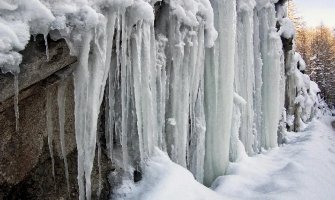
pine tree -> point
(322, 62)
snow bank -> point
(165, 180)
(302, 169)
(294, 171)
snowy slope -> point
(301, 169)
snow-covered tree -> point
(322, 62)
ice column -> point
(144, 75)
(110, 97)
(271, 51)
(196, 138)
(50, 129)
(185, 121)
(257, 98)
(89, 80)
(245, 71)
(219, 90)
(177, 106)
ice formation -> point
(50, 129)
(272, 58)
(202, 80)
(61, 99)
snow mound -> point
(165, 180)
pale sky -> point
(316, 11)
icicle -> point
(149, 117)
(196, 148)
(90, 79)
(50, 129)
(61, 120)
(124, 93)
(81, 95)
(245, 71)
(16, 101)
(46, 46)
(136, 64)
(110, 101)
(258, 85)
(161, 88)
(117, 44)
(271, 51)
(99, 168)
(219, 90)
(178, 106)
(153, 104)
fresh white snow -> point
(303, 168)
(165, 180)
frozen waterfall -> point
(203, 80)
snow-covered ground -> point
(304, 168)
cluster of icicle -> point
(303, 101)
(203, 80)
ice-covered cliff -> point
(206, 81)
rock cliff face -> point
(26, 167)
(25, 163)
(169, 86)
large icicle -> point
(244, 71)
(196, 149)
(89, 79)
(61, 121)
(177, 107)
(144, 88)
(125, 91)
(271, 51)
(257, 99)
(219, 90)
(161, 89)
(110, 99)
(50, 129)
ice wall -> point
(203, 80)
